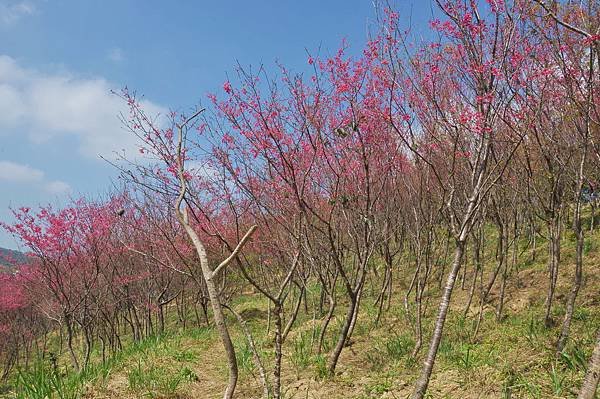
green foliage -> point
(40, 382)
(588, 246)
(320, 362)
(399, 346)
(185, 356)
(518, 384)
(509, 383)
(557, 379)
(375, 358)
(574, 358)
(378, 388)
(300, 355)
(244, 356)
(157, 381)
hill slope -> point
(511, 358)
(10, 257)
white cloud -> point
(116, 55)
(46, 106)
(11, 11)
(13, 172)
(58, 187)
(18, 173)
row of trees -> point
(329, 179)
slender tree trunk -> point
(590, 383)
(343, 334)
(500, 264)
(423, 381)
(593, 217)
(418, 324)
(326, 322)
(262, 375)
(381, 298)
(578, 230)
(70, 343)
(354, 316)
(225, 337)
(277, 313)
(477, 267)
(88, 347)
(504, 256)
(553, 266)
(294, 314)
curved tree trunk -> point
(343, 334)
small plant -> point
(244, 357)
(301, 353)
(575, 358)
(34, 384)
(557, 381)
(532, 389)
(588, 245)
(171, 383)
(446, 348)
(42, 383)
(581, 314)
(184, 356)
(399, 346)
(410, 362)
(375, 358)
(189, 375)
(135, 377)
(510, 382)
(321, 366)
(379, 388)
(466, 358)
(533, 330)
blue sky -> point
(59, 59)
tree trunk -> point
(477, 267)
(70, 343)
(277, 314)
(423, 381)
(578, 230)
(552, 267)
(590, 383)
(326, 321)
(343, 335)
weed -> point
(399, 346)
(510, 382)
(321, 366)
(557, 381)
(244, 356)
(184, 356)
(574, 358)
(41, 382)
(301, 352)
(379, 388)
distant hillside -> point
(10, 257)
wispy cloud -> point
(12, 11)
(13, 172)
(116, 55)
(46, 106)
(58, 187)
(19, 173)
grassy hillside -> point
(513, 358)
